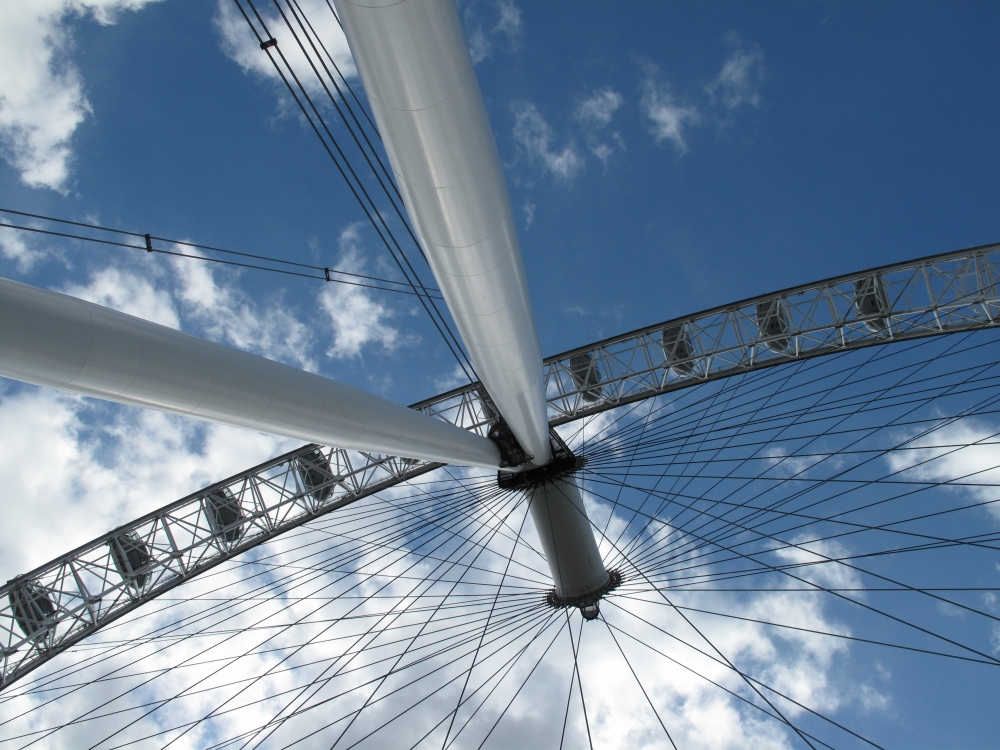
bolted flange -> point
(588, 605)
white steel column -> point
(53, 340)
(415, 65)
(567, 538)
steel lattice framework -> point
(49, 609)
(55, 606)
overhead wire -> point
(324, 274)
(317, 122)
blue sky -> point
(852, 135)
(662, 157)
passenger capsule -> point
(773, 324)
(224, 511)
(315, 474)
(131, 555)
(871, 299)
(34, 611)
(677, 350)
(586, 376)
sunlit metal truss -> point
(49, 609)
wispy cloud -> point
(529, 214)
(23, 248)
(594, 113)
(510, 23)
(599, 107)
(224, 312)
(358, 319)
(668, 119)
(453, 379)
(741, 76)
(207, 301)
(128, 292)
(241, 46)
(483, 37)
(42, 94)
(102, 466)
(199, 299)
(965, 454)
(535, 137)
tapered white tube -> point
(53, 340)
(415, 65)
(567, 539)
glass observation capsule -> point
(677, 349)
(224, 513)
(871, 299)
(131, 557)
(586, 376)
(315, 475)
(774, 325)
(33, 610)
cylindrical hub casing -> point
(567, 539)
(58, 341)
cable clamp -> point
(272, 42)
(149, 244)
(327, 272)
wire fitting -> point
(588, 604)
(563, 462)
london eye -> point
(771, 522)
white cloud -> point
(97, 472)
(598, 108)
(780, 464)
(965, 453)
(534, 136)
(604, 150)
(129, 293)
(240, 45)
(816, 561)
(358, 319)
(42, 97)
(481, 38)
(190, 295)
(21, 247)
(669, 119)
(697, 713)
(741, 76)
(529, 214)
(73, 468)
(510, 23)
(453, 379)
(226, 313)
(594, 113)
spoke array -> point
(784, 535)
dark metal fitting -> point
(589, 604)
(563, 462)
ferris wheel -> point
(650, 540)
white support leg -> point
(567, 539)
(62, 342)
